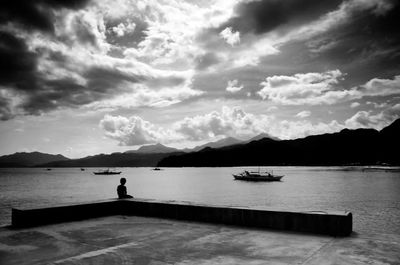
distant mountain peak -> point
(153, 148)
(217, 144)
(262, 136)
(228, 139)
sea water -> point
(373, 196)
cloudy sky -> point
(81, 77)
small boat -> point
(257, 176)
(107, 172)
(48, 169)
(82, 169)
(156, 169)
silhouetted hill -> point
(390, 139)
(392, 131)
(113, 160)
(156, 148)
(347, 147)
(262, 136)
(217, 144)
(29, 159)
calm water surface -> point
(372, 196)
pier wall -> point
(327, 223)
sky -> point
(81, 77)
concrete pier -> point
(125, 239)
(327, 223)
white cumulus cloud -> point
(367, 119)
(382, 87)
(228, 122)
(122, 28)
(234, 122)
(217, 124)
(309, 88)
(322, 88)
(233, 86)
(133, 131)
(229, 36)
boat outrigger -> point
(107, 172)
(257, 176)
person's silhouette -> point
(121, 190)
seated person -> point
(121, 190)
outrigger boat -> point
(107, 172)
(257, 176)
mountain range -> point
(25, 159)
(145, 156)
(217, 144)
(159, 148)
(347, 147)
(152, 149)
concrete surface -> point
(143, 240)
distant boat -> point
(48, 169)
(381, 168)
(82, 169)
(107, 172)
(156, 168)
(257, 176)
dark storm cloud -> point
(51, 95)
(66, 92)
(35, 14)
(365, 46)
(17, 63)
(266, 15)
(19, 73)
(369, 43)
(102, 80)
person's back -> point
(121, 190)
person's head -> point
(122, 181)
